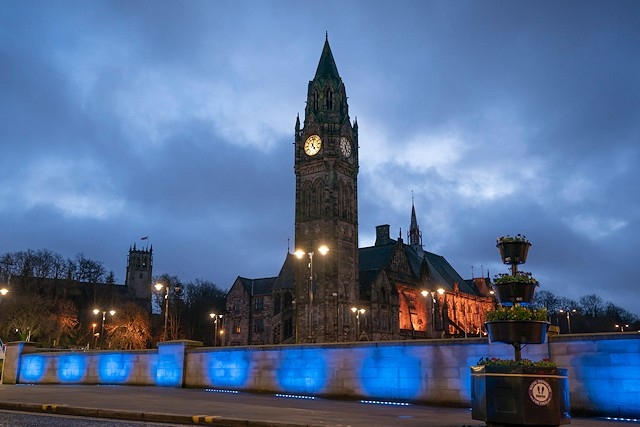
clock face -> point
(345, 147)
(312, 145)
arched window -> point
(307, 200)
(277, 304)
(315, 100)
(384, 296)
(329, 99)
(319, 196)
(288, 300)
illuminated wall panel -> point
(604, 369)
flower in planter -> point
(517, 238)
(516, 312)
(494, 361)
(520, 277)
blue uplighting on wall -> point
(168, 370)
(390, 372)
(229, 368)
(114, 368)
(303, 370)
(32, 368)
(72, 368)
(612, 377)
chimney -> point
(382, 234)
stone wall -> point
(604, 369)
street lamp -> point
(4, 291)
(93, 334)
(104, 313)
(159, 287)
(358, 312)
(621, 327)
(215, 318)
(568, 317)
(426, 293)
(300, 253)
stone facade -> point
(385, 292)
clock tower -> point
(326, 216)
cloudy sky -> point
(175, 120)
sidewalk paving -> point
(208, 407)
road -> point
(25, 419)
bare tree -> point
(546, 299)
(89, 271)
(591, 305)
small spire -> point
(326, 36)
(415, 236)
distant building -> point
(351, 293)
(85, 295)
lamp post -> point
(300, 253)
(568, 317)
(335, 295)
(358, 312)
(104, 314)
(440, 292)
(215, 318)
(432, 329)
(93, 335)
(159, 287)
(621, 327)
(4, 291)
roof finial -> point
(326, 36)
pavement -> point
(224, 408)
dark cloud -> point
(175, 120)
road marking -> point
(205, 419)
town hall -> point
(329, 289)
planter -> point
(520, 395)
(517, 331)
(514, 252)
(514, 292)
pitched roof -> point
(287, 277)
(258, 286)
(372, 259)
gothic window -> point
(236, 326)
(288, 300)
(315, 100)
(329, 99)
(306, 200)
(347, 203)
(258, 303)
(258, 325)
(277, 304)
(340, 202)
(319, 197)
(312, 202)
(384, 296)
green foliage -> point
(494, 361)
(516, 312)
(507, 238)
(520, 277)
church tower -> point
(326, 169)
(139, 275)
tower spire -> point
(415, 236)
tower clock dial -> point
(312, 145)
(345, 147)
